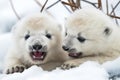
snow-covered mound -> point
(113, 67)
(87, 71)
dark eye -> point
(27, 36)
(66, 34)
(81, 39)
(48, 36)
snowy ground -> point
(83, 72)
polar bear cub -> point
(90, 35)
(37, 41)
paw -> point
(69, 65)
(17, 68)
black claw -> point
(8, 71)
(13, 70)
(67, 65)
(72, 66)
(17, 68)
(21, 69)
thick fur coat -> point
(37, 41)
(90, 35)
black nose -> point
(65, 48)
(37, 47)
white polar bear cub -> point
(90, 35)
(37, 41)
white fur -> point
(98, 46)
(37, 26)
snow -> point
(24, 7)
(8, 17)
(112, 67)
(83, 72)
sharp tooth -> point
(34, 57)
(75, 54)
(41, 57)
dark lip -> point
(36, 59)
(75, 55)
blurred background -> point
(13, 10)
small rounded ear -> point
(13, 29)
(61, 28)
(107, 31)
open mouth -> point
(75, 55)
(37, 55)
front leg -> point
(76, 62)
(14, 68)
(13, 64)
(71, 64)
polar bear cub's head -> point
(88, 32)
(36, 37)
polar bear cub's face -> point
(36, 37)
(87, 33)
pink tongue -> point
(74, 55)
(38, 54)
